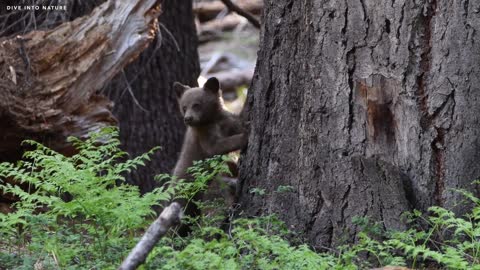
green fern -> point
(78, 209)
(78, 213)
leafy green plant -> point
(203, 172)
(440, 238)
(250, 245)
(78, 213)
(445, 241)
(451, 241)
(76, 210)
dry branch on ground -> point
(169, 217)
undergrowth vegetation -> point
(74, 211)
(79, 213)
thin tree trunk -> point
(146, 106)
(143, 102)
(365, 108)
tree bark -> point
(145, 103)
(365, 108)
(50, 79)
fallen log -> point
(213, 30)
(230, 80)
(247, 15)
(209, 10)
(50, 80)
(231, 71)
(169, 217)
(222, 61)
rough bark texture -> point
(366, 108)
(50, 79)
(145, 103)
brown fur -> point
(211, 130)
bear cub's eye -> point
(196, 106)
(184, 108)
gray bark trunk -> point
(366, 108)
(155, 120)
(144, 103)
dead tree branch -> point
(169, 217)
(247, 15)
(49, 80)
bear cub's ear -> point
(212, 85)
(179, 89)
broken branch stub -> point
(49, 80)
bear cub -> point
(211, 130)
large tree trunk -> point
(145, 103)
(366, 108)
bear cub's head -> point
(201, 105)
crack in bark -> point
(465, 6)
(400, 23)
(438, 148)
(439, 165)
(367, 187)
(329, 232)
(316, 210)
(292, 63)
(426, 21)
(426, 120)
(442, 106)
(351, 64)
(350, 60)
(384, 178)
(366, 19)
(344, 199)
(344, 29)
